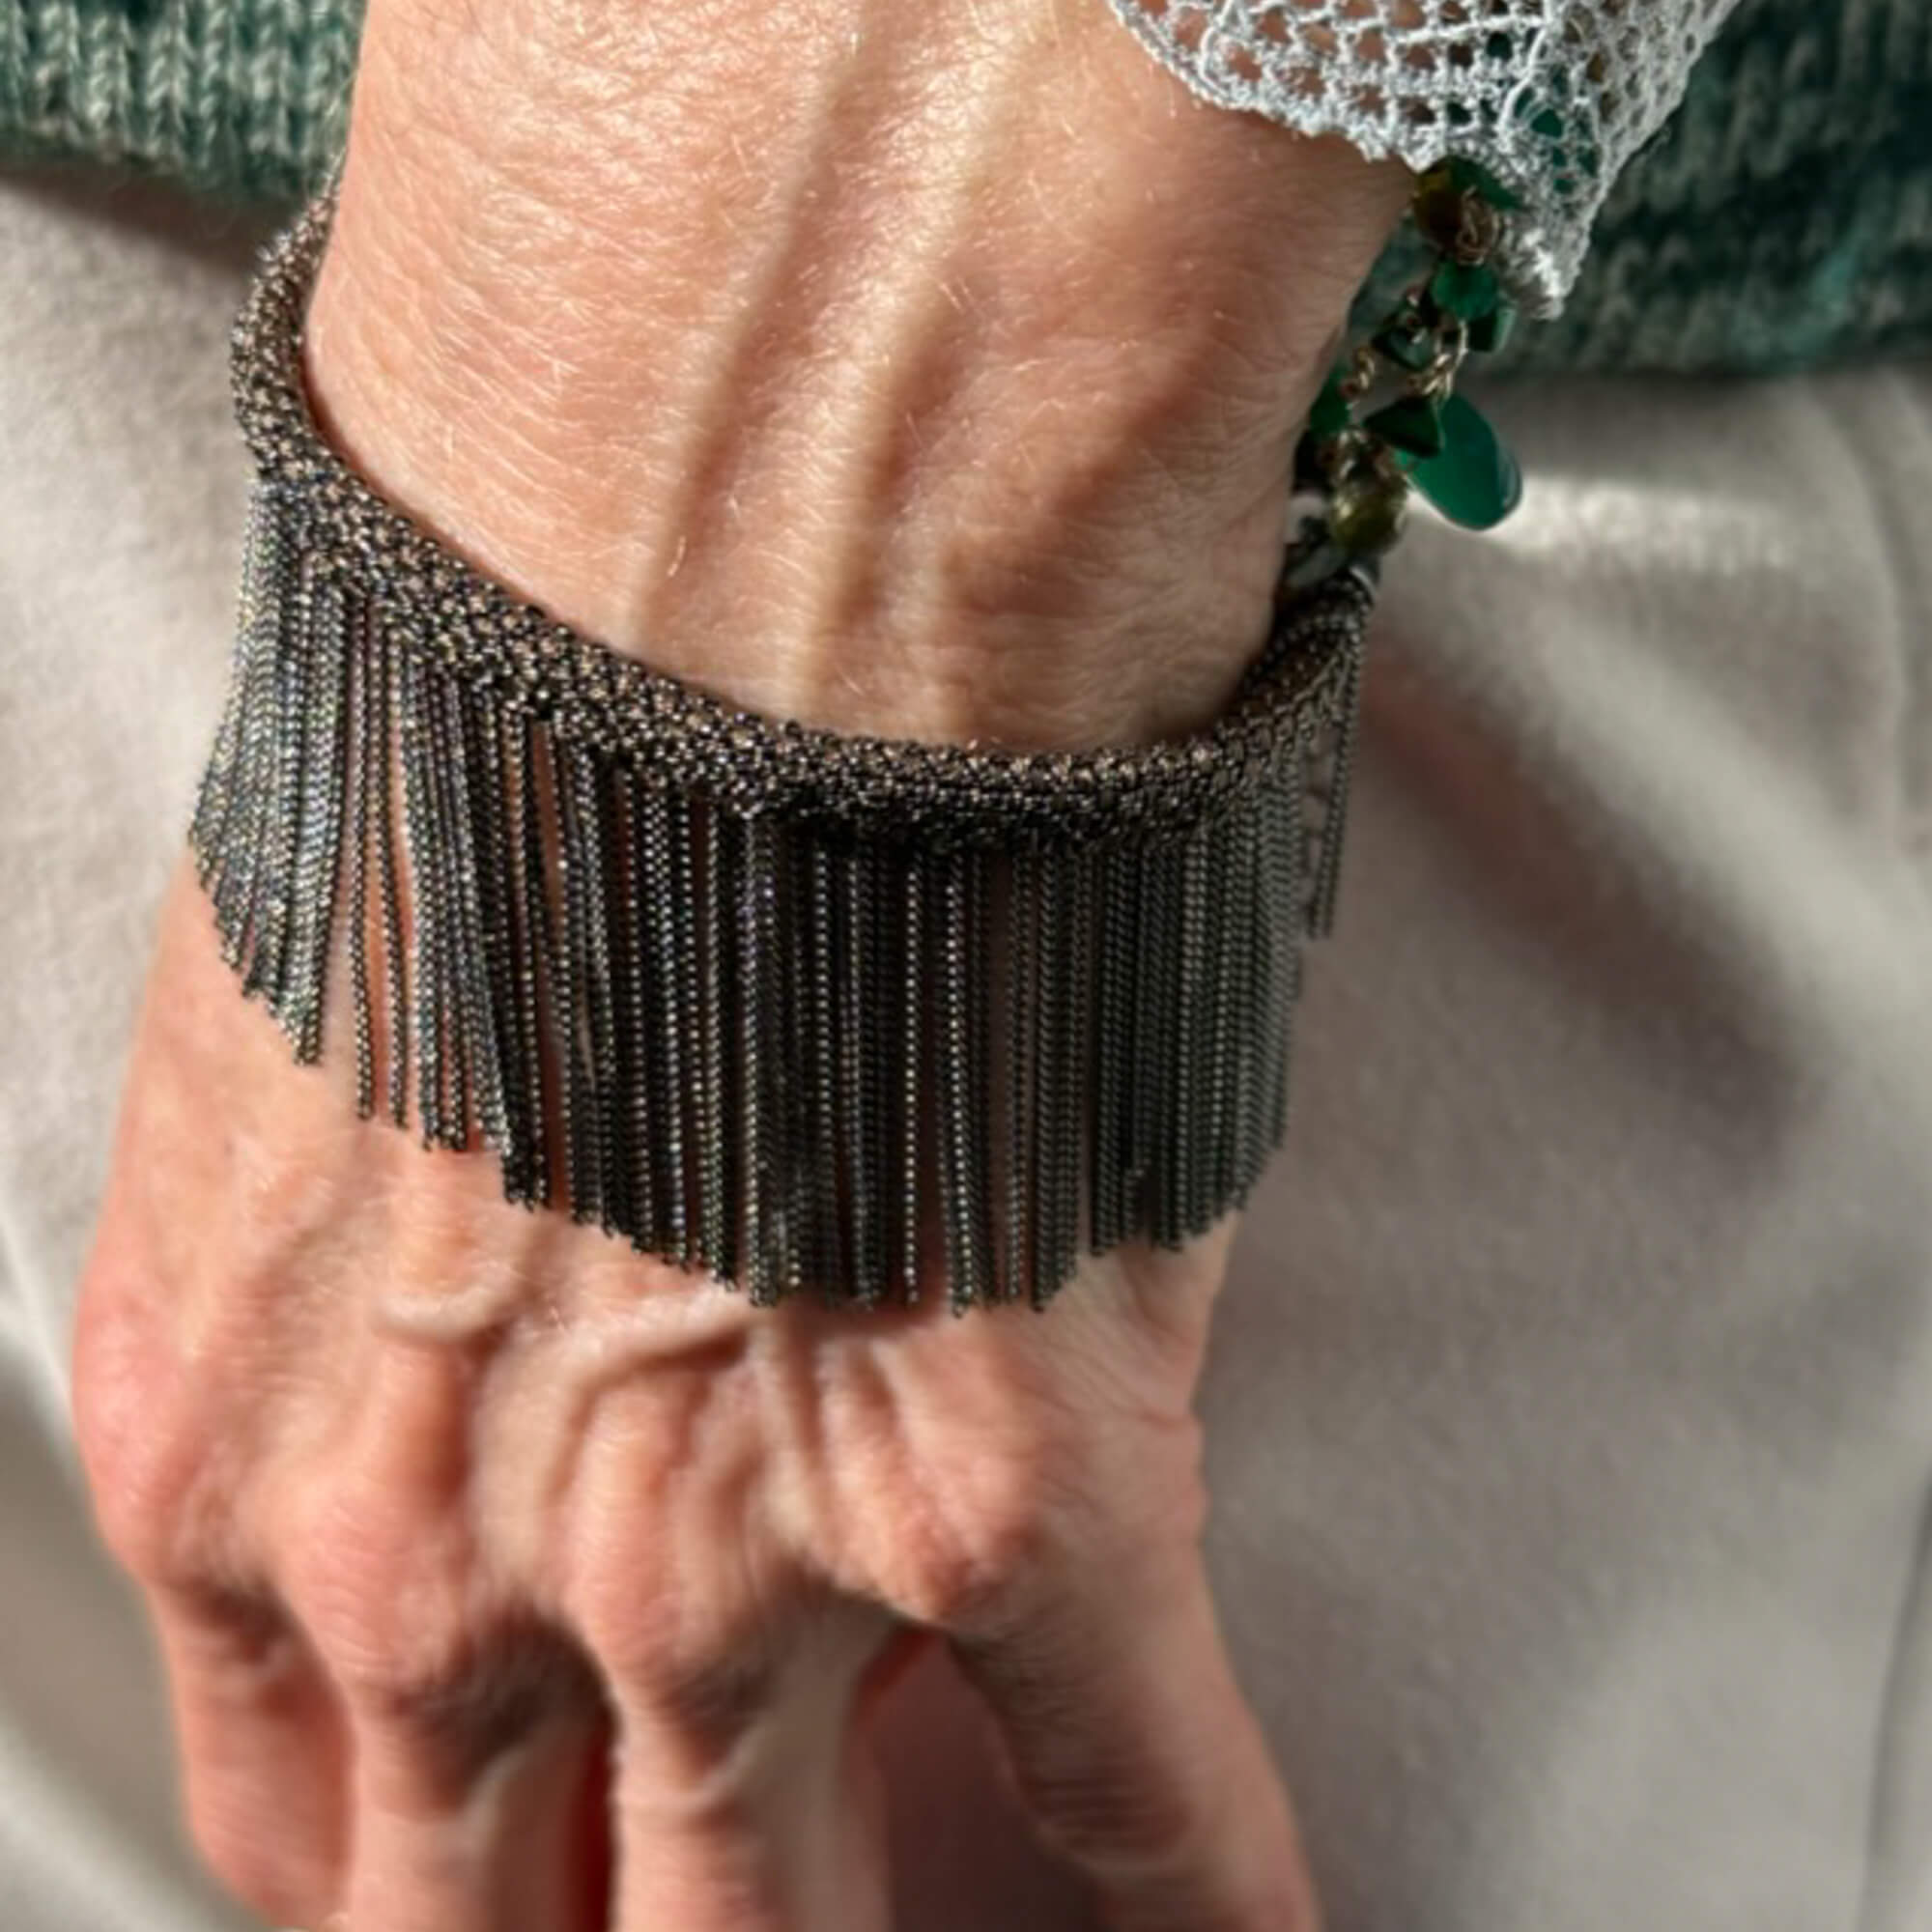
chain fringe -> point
(786, 1054)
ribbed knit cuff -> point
(240, 99)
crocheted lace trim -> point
(1553, 95)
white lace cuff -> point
(1553, 96)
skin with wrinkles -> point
(508, 1581)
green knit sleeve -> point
(239, 100)
(1782, 218)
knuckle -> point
(422, 1640)
(711, 1691)
(387, 1599)
(691, 1635)
(456, 1707)
(148, 1455)
(616, 1596)
(688, 1656)
(1016, 1528)
(972, 1548)
(143, 1504)
(417, 1690)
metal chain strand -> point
(850, 985)
(318, 828)
(536, 976)
(361, 810)
(577, 1033)
(718, 1216)
(656, 1156)
(425, 912)
(476, 999)
(395, 951)
(911, 1046)
(490, 805)
(1016, 1069)
(868, 1018)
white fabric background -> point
(1571, 1407)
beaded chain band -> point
(1354, 478)
(804, 1009)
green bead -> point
(1328, 415)
(1463, 290)
(1406, 340)
(1489, 332)
(1475, 481)
(1410, 423)
(1477, 178)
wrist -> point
(921, 412)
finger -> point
(1135, 1754)
(743, 1796)
(755, 1805)
(455, 1833)
(262, 1749)
(478, 1730)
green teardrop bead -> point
(1475, 481)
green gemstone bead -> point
(1461, 288)
(1406, 340)
(1474, 481)
(1328, 413)
(1410, 423)
(1489, 332)
(1474, 177)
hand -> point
(434, 1501)
(814, 353)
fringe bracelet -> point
(798, 1009)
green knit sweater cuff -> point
(1782, 218)
(237, 100)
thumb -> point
(1136, 1756)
